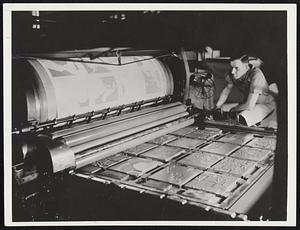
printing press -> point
(118, 137)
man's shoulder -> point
(256, 73)
(255, 70)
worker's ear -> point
(247, 65)
(256, 62)
(244, 58)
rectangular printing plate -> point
(235, 166)
(200, 159)
(213, 182)
(136, 166)
(187, 143)
(237, 138)
(252, 153)
(263, 143)
(165, 153)
(175, 174)
(184, 131)
(111, 160)
(163, 139)
(202, 134)
(220, 148)
(140, 148)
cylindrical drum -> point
(56, 89)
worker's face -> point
(238, 68)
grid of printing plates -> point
(208, 168)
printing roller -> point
(95, 124)
(55, 90)
(63, 156)
(49, 89)
(93, 155)
(99, 132)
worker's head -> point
(239, 66)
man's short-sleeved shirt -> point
(253, 81)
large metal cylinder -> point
(94, 155)
(125, 132)
(101, 123)
(99, 132)
(52, 89)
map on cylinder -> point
(220, 148)
(165, 153)
(140, 148)
(237, 138)
(202, 134)
(163, 139)
(200, 159)
(187, 143)
(235, 166)
(184, 131)
(263, 143)
(136, 166)
(213, 182)
(94, 86)
(252, 153)
(175, 174)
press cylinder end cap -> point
(61, 156)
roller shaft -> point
(95, 124)
(109, 129)
(98, 155)
(123, 133)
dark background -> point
(261, 34)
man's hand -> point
(233, 115)
(218, 108)
(217, 113)
(235, 109)
(224, 95)
(241, 107)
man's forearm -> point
(240, 107)
(223, 97)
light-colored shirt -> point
(253, 81)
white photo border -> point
(291, 10)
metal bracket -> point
(118, 53)
(120, 109)
(187, 75)
(105, 113)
